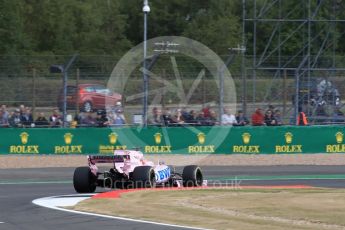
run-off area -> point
(223, 208)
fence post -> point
(163, 88)
(77, 93)
(297, 77)
(34, 73)
(284, 92)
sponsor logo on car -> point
(163, 174)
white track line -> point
(2, 222)
(35, 182)
(48, 202)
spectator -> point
(278, 117)
(269, 118)
(22, 109)
(3, 119)
(212, 120)
(26, 118)
(41, 120)
(156, 118)
(119, 118)
(118, 107)
(79, 117)
(200, 119)
(15, 120)
(191, 120)
(258, 118)
(228, 118)
(177, 119)
(73, 124)
(150, 118)
(206, 110)
(167, 117)
(270, 107)
(5, 112)
(241, 119)
(88, 120)
(69, 120)
(101, 119)
(185, 114)
(55, 119)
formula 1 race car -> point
(130, 170)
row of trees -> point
(113, 26)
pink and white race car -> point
(130, 170)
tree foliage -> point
(110, 26)
(113, 26)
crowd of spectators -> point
(23, 117)
(208, 117)
(182, 117)
(272, 117)
(20, 117)
(101, 118)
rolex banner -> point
(175, 140)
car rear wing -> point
(93, 159)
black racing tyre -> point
(87, 107)
(172, 182)
(83, 180)
(192, 176)
(144, 177)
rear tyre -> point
(144, 177)
(192, 176)
(83, 180)
(87, 107)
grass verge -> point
(230, 209)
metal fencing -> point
(26, 80)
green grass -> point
(230, 209)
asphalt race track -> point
(18, 187)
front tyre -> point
(83, 180)
(192, 176)
(144, 177)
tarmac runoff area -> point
(19, 187)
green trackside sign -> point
(175, 140)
